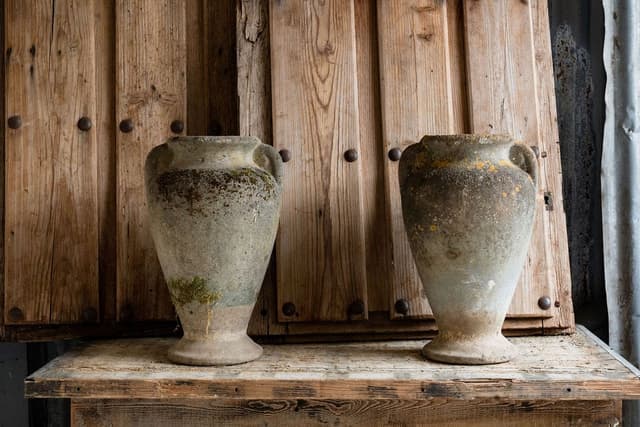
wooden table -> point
(556, 380)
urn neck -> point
(204, 152)
(214, 152)
(467, 147)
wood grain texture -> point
(321, 247)
(504, 97)
(151, 92)
(379, 325)
(254, 114)
(554, 227)
(371, 413)
(417, 99)
(212, 97)
(2, 171)
(255, 111)
(51, 221)
(576, 367)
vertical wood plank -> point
(105, 125)
(2, 168)
(503, 98)
(151, 92)
(212, 96)
(417, 99)
(51, 222)
(321, 248)
(254, 115)
(373, 158)
(554, 230)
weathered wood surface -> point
(577, 367)
(550, 169)
(313, 412)
(321, 245)
(212, 97)
(210, 30)
(254, 117)
(51, 210)
(105, 127)
(376, 228)
(151, 92)
(2, 180)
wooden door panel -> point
(51, 216)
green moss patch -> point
(184, 291)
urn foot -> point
(478, 350)
(215, 350)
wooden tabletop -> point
(575, 367)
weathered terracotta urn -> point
(214, 205)
(468, 206)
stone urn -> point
(214, 206)
(468, 206)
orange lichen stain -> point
(504, 194)
(479, 165)
(492, 168)
(439, 164)
(504, 163)
(433, 227)
(517, 188)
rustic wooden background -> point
(329, 77)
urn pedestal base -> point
(477, 350)
(215, 350)
(214, 336)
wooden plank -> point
(575, 367)
(151, 92)
(254, 100)
(373, 158)
(104, 29)
(554, 228)
(503, 98)
(212, 97)
(369, 413)
(263, 329)
(417, 99)
(378, 326)
(2, 172)
(320, 250)
(51, 221)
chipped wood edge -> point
(583, 329)
(327, 389)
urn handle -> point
(267, 158)
(523, 157)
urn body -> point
(468, 207)
(214, 205)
